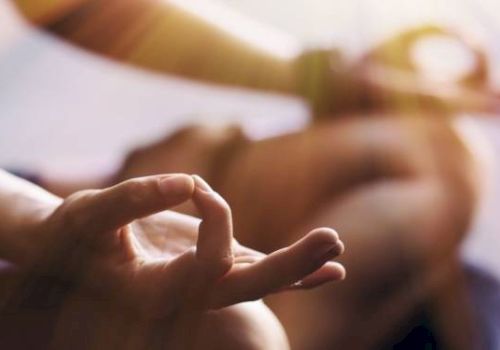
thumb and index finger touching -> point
(112, 208)
(119, 205)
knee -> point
(246, 326)
(434, 151)
(429, 153)
(439, 156)
(456, 171)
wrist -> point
(33, 239)
(327, 82)
(24, 208)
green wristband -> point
(327, 82)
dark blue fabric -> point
(484, 289)
(27, 175)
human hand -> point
(147, 270)
(397, 75)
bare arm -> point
(169, 37)
(165, 37)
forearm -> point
(165, 37)
(168, 38)
(22, 205)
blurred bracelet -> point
(327, 82)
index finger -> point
(215, 236)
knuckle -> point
(76, 211)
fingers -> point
(282, 269)
(117, 206)
(213, 249)
(331, 271)
(405, 89)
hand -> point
(394, 75)
(391, 77)
(147, 270)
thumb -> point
(114, 207)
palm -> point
(162, 237)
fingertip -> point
(201, 184)
(210, 203)
(338, 271)
(203, 194)
(341, 247)
(330, 272)
(323, 243)
(324, 236)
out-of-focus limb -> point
(166, 37)
(392, 76)
(174, 38)
(44, 12)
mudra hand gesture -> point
(143, 277)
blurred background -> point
(37, 69)
(52, 94)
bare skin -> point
(403, 187)
(402, 190)
(135, 280)
(151, 34)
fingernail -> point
(175, 184)
(202, 184)
(329, 251)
